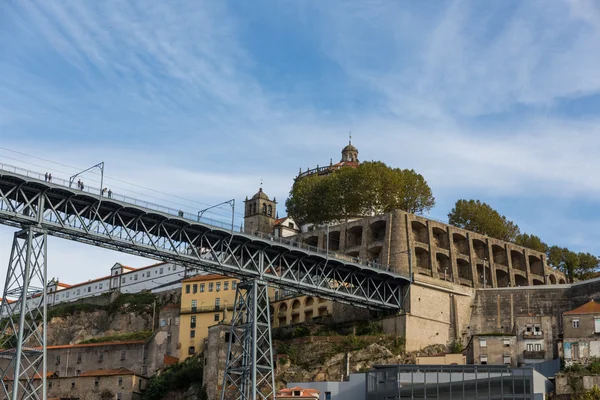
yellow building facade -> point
(299, 309)
(206, 300)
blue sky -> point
(494, 100)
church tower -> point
(349, 153)
(259, 213)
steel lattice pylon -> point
(24, 335)
(249, 369)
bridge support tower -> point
(249, 373)
(23, 314)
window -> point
(78, 372)
(291, 225)
(78, 292)
(270, 212)
(135, 277)
(530, 347)
(72, 385)
(97, 382)
(327, 395)
(538, 347)
(226, 337)
(191, 350)
(537, 330)
(506, 342)
(596, 325)
(161, 270)
(78, 358)
(506, 359)
(194, 305)
(192, 334)
(89, 289)
(216, 318)
(49, 384)
(100, 356)
(218, 286)
(176, 320)
(483, 360)
(100, 286)
(195, 288)
(575, 322)
(202, 288)
(264, 209)
(233, 285)
(123, 355)
(120, 381)
(217, 303)
(118, 396)
(187, 289)
(57, 359)
(67, 295)
(482, 343)
(193, 321)
(210, 287)
(225, 285)
(174, 267)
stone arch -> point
(309, 301)
(422, 260)
(419, 231)
(561, 281)
(444, 267)
(377, 229)
(440, 237)
(354, 235)
(334, 240)
(295, 304)
(518, 260)
(283, 307)
(537, 281)
(499, 254)
(520, 280)
(502, 278)
(488, 275)
(311, 241)
(536, 265)
(552, 279)
(374, 254)
(460, 244)
(481, 249)
(464, 269)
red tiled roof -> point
(280, 220)
(209, 277)
(129, 268)
(591, 307)
(108, 372)
(169, 360)
(67, 346)
(65, 285)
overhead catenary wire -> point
(119, 180)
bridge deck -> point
(154, 231)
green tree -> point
(479, 217)
(592, 394)
(372, 188)
(573, 265)
(531, 242)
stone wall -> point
(412, 244)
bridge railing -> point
(191, 216)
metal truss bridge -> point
(38, 207)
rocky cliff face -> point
(80, 326)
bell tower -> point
(350, 153)
(259, 213)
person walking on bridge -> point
(79, 184)
(49, 177)
(46, 177)
(109, 194)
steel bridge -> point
(39, 207)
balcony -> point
(533, 334)
(534, 355)
(205, 309)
